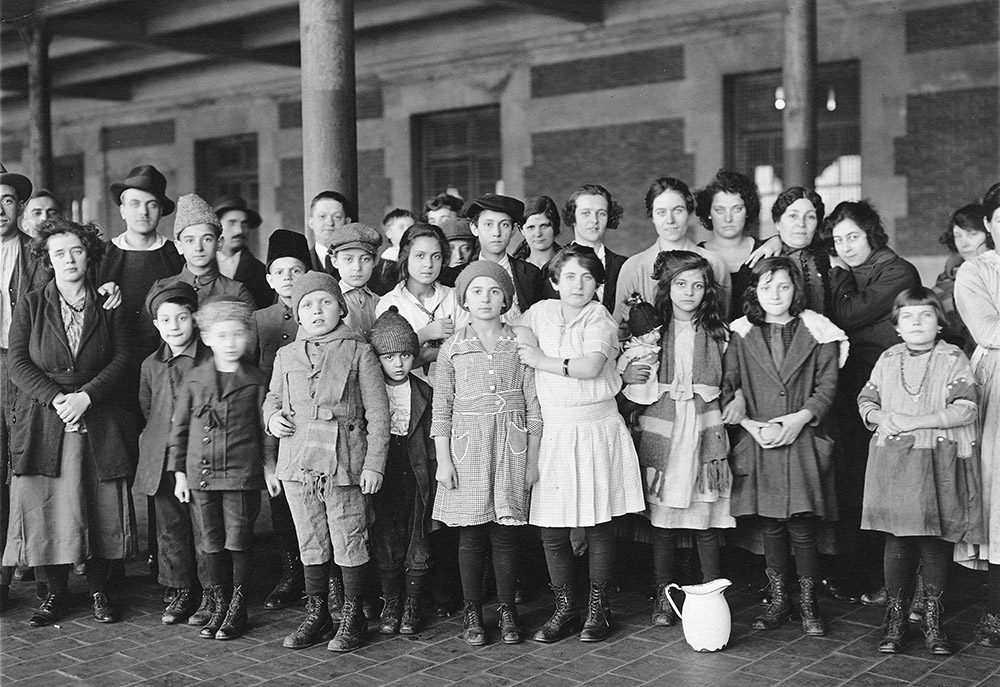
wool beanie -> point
(485, 268)
(391, 333)
(316, 281)
(223, 308)
(191, 210)
(643, 318)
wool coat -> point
(252, 273)
(42, 366)
(420, 445)
(29, 274)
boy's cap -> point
(192, 210)
(356, 235)
(391, 333)
(459, 230)
(316, 281)
(288, 244)
(222, 308)
(484, 268)
(511, 207)
(643, 318)
(178, 291)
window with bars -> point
(753, 127)
(456, 149)
(227, 165)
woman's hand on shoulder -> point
(768, 249)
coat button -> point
(205, 461)
(206, 440)
(207, 428)
(206, 471)
(203, 484)
(284, 336)
(350, 428)
(287, 317)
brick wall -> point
(952, 26)
(369, 105)
(138, 135)
(608, 71)
(949, 157)
(623, 158)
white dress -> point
(587, 466)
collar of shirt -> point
(121, 242)
(504, 262)
(190, 351)
(321, 251)
(200, 279)
(228, 265)
(346, 288)
(391, 253)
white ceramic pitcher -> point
(706, 620)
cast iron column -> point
(36, 40)
(799, 80)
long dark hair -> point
(862, 213)
(709, 315)
(767, 266)
(412, 234)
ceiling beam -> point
(582, 11)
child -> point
(486, 430)
(921, 483)
(216, 453)
(196, 234)
(328, 407)
(780, 379)
(275, 325)
(172, 309)
(403, 504)
(354, 247)
(587, 470)
(386, 273)
(683, 447)
(645, 326)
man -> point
(19, 274)
(327, 212)
(235, 259)
(41, 206)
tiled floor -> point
(140, 650)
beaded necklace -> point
(915, 395)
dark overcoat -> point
(420, 445)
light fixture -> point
(831, 100)
(779, 98)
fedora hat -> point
(21, 183)
(149, 179)
(511, 207)
(224, 204)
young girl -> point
(587, 471)
(921, 485)
(486, 427)
(780, 379)
(683, 445)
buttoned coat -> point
(217, 435)
(42, 366)
(420, 445)
(276, 327)
(29, 274)
(252, 273)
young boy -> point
(172, 309)
(328, 407)
(287, 260)
(216, 453)
(354, 247)
(403, 505)
(386, 273)
(196, 233)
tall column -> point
(799, 80)
(329, 113)
(36, 38)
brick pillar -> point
(36, 38)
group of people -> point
(411, 409)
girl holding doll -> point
(682, 446)
(587, 471)
(922, 481)
(780, 381)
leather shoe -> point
(104, 612)
(840, 591)
(876, 598)
(49, 611)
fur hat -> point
(149, 179)
(356, 235)
(511, 207)
(316, 281)
(223, 308)
(391, 333)
(193, 210)
(177, 291)
(224, 204)
(21, 183)
(288, 244)
(485, 268)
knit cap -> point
(391, 333)
(484, 268)
(177, 291)
(316, 281)
(222, 308)
(643, 318)
(192, 210)
(356, 235)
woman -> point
(590, 212)
(866, 279)
(796, 214)
(540, 226)
(729, 207)
(69, 494)
(966, 238)
(977, 296)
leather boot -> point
(917, 607)
(351, 633)
(413, 617)
(52, 608)
(472, 624)
(988, 630)
(565, 620)
(663, 614)
(934, 638)
(220, 605)
(205, 610)
(290, 584)
(879, 597)
(104, 610)
(812, 622)
(184, 603)
(780, 610)
(335, 600)
(392, 614)
(4, 597)
(317, 626)
(510, 624)
(235, 622)
(597, 626)
(896, 626)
